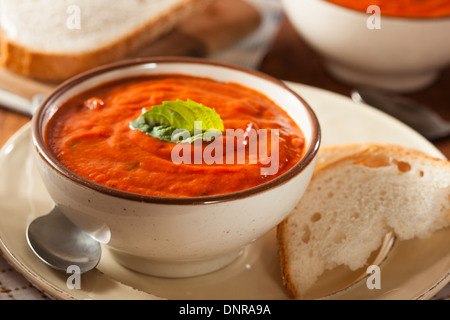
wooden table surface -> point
(289, 59)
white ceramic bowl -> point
(404, 55)
(176, 237)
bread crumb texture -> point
(358, 194)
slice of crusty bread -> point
(54, 40)
(358, 194)
(330, 154)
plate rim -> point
(37, 281)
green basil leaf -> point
(188, 116)
(163, 133)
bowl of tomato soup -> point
(395, 45)
(175, 164)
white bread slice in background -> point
(39, 41)
(358, 194)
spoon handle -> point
(417, 116)
(16, 103)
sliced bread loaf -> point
(358, 194)
(54, 40)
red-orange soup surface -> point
(91, 135)
(401, 8)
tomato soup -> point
(91, 135)
(401, 8)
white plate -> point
(415, 269)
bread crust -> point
(284, 261)
(56, 67)
(330, 154)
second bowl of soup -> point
(395, 45)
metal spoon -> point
(61, 244)
(16, 103)
(417, 116)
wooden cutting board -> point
(221, 24)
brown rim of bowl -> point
(47, 156)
